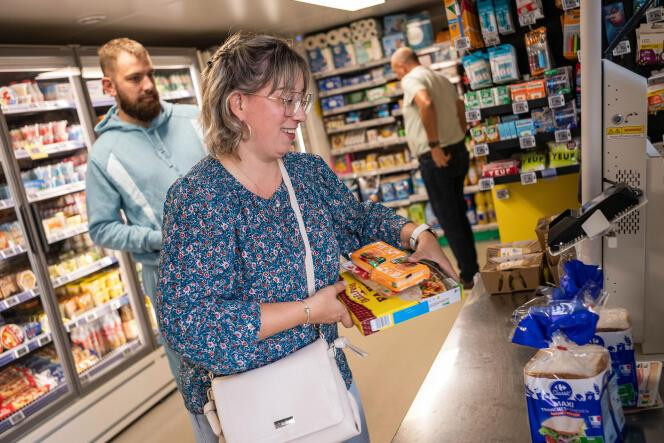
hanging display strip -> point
(45, 194)
(21, 350)
(52, 148)
(95, 313)
(12, 251)
(14, 300)
(33, 407)
(67, 233)
(110, 359)
(52, 105)
(83, 272)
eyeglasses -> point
(291, 104)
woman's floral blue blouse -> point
(226, 250)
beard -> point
(146, 108)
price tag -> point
(12, 301)
(520, 107)
(486, 184)
(481, 149)
(563, 135)
(128, 350)
(90, 317)
(655, 15)
(551, 172)
(4, 204)
(81, 321)
(85, 378)
(44, 339)
(503, 194)
(3, 305)
(16, 418)
(571, 4)
(491, 39)
(527, 19)
(20, 352)
(556, 101)
(36, 152)
(622, 48)
(116, 304)
(69, 327)
(474, 115)
(527, 142)
(462, 43)
(528, 178)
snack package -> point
(519, 92)
(488, 22)
(11, 335)
(533, 161)
(564, 154)
(478, 69)
(504, 66)
(524, 127)
(539, 55)
(389, 266)
(543, 120)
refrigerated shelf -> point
(68, 232)
(172, 95)
(7, 203)
(53, 148)
(96, 312)
(84, 272)
(29, 108)
(12, 252)
(25, 348)
(110, 359)
(45, 194)
(20, 415)
(19, 298)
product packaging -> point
(558, 81)
(536, 89)
(500, 168)
(395, 23)
(650, 43)
(463, 22)
(565, 117)
(519, 92)
(533, 161)
(539, 55)
(555, 263)
(330, 103)
(506, 130)
(571, 33)
(478, 134)
(512, 267)
(471, 100)
(504, 66)
(504, 18)
(478, 69)
(501, 95)
(564, 154)
(343, 51)
(529, 7)
(488, 22)
(319, 55)
(419, 31)
(614, 19)
(524, 127)
(491, 133)
(487, 99)
(393, 42)
(543, 119)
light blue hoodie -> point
(130, 169)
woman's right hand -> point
(326, 308)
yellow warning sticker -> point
(625, 131)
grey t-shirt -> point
(444, 97)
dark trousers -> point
(445, 189)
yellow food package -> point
(389, 266)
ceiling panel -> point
(175, 22)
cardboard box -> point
(553, 263)
(513, 249)
(513, 275)
(463, 21)
(372, 311)
(389, 266)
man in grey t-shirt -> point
(435, 128)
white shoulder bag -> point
(301, 397)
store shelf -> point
(12, 252)
(35, 196)
(407, 167)
(14, 300)
(547, 173)
(25, 348)
(84, 272)
(176, 95)
(539, 138)
(68, 232)
(358, 86)
(7, 203)
(418, 198)
(95, 313)
(37, 405)
(102, 102)
(476, 229)
(364, 124)
(349, 69)
(30, 108)
(507, 109)
(369, 146)
(53, 148)
(358, 106)
(433, 48)
(110, 359)
(444, 65)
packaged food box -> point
(536, 89)
(478, 134)
(506, 130)
(389, 266)
(372, 311)
(419, 30)
(500, 168)
(393, 42)
(471, 100)
(501, 95)
(512, 267)
(330, 103)
(491, 133)
(463, 22)
(519, 92)
(572, 396)
(487, 98)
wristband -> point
(307, 310)
(434, 144)
(416, 233)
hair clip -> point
(209, 62)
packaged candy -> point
(491, 133)
(564, 154)
(504, 19)
(524, 127)
(504, 66)
(478, 69)
(519, 92)
(536, 89)
(478, 134)
(558, 81)
(501, 95)
(506, 130)
(533, 161)
(487, 98)
(471, 100)
(539, 55)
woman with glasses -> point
(233, 291)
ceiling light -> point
(346, 5)
(91, 20)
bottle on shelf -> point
(470, 210)
(480, 209)
(490, 209)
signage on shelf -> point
(481, 149)
(502, 194)
(44, 339)
(462, 43)
(473, 115)
(486, 184)
(527, 142)
(563, 135)
(16, 418)
(622, 48)
(655, 14)
(571, 4)
(556, 101)
(528, 178)
(21, 351)
(520, 107)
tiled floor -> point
(399, 359)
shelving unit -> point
(353, 175)
(362, 125)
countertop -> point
(474, 390)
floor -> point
(388, 379)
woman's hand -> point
(429, 248)
(326, 308)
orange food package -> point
(389, 266)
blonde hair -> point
(244, 63)
(108, 54)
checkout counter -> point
(475, 388)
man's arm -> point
(430, 122)
(461, 114)
(107, 228)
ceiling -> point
(200, 23)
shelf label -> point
(12, 301)
(44, 339)
(520, 107)
(486, 184)
(16, 418)
(36, 152)
(622, 48)
(556, 101)
(3, 305)
(4, 204)
(473, 115)
(481, 149)
(527, 19)
(128, 350)
(116, 304)
(90, 317)
(85, 378)
(502, 194)
(462, 43)
(528, 178)
(81, 321)
(491, 39)
(20, 352)
(655, 14)
(571, 4)
(563, 135)
(527, 142)
(551, 172)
